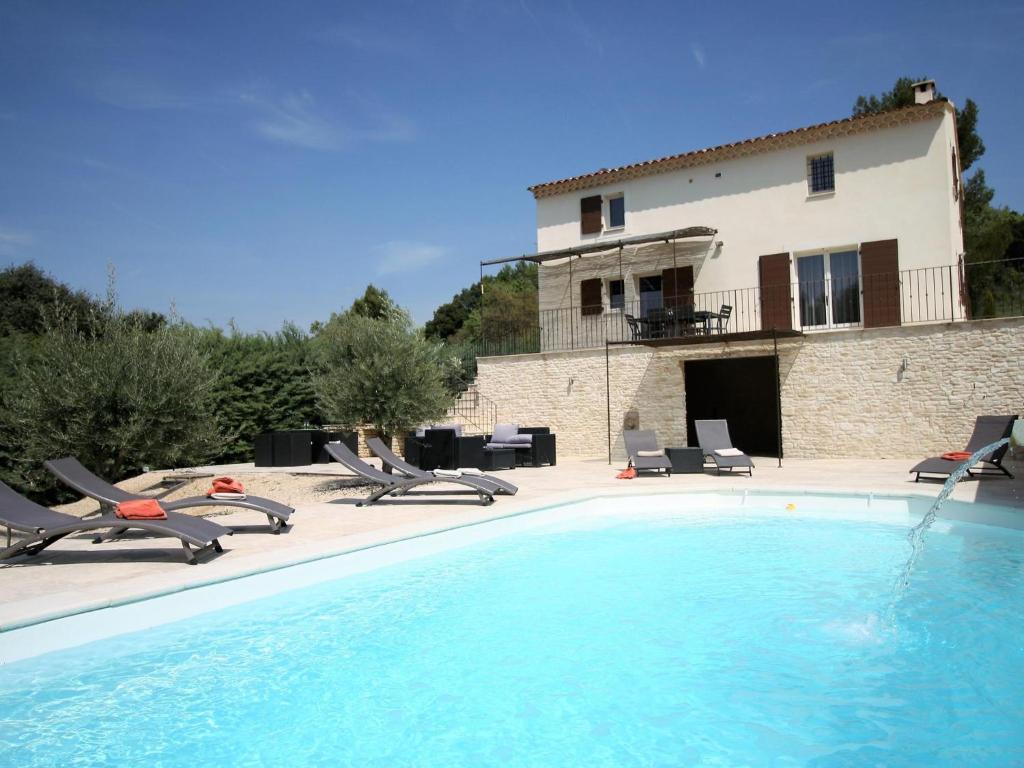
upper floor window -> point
(616, 212)
(599, 213)
(821, 174)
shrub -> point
(116, 395)
(264, 384)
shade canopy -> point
(607, 246)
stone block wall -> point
(844, 394)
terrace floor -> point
(75, 575)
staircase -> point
(475, 412)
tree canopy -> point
(27, 294)
(504, 304)
(381, 372)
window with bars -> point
(821, 174)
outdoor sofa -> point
(533, 445)
(443, 446)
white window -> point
(829, 288)
(616, 213)
(616, 294)
(821, 174)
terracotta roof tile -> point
(845, 126)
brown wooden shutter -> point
(677, 287)
(590, 215)
(590, 296)
(776, 292)
(880, 275)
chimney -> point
(924, 91)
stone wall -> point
(844, 393)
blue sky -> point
(264, 161)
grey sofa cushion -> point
(520, 440)
(504, 433)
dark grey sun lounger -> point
(713, 435)
(71, 472)
(396, 484)
(44, 526)
(637, 440)
(987, 429)
(393, 460)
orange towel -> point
(956, 455)
(140, 509)
(627, 474)
(225, 485)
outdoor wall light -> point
(719, 244)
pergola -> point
(605, 246)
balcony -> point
(910, 297)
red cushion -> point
(140, 509)
(956, 455)
(225, 485)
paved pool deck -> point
(75, 575)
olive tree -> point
(118, 394)
(380, 372)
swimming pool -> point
(624, 632)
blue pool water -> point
(655, 642)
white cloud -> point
(293, 120)
(403, 256)
(296, 119)
(698, 55)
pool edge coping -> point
(207, 582)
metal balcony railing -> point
(926, 295)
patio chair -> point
(393, 460)
(44, 526)
(71, 472)
(713, 438)
(641, 445)
(398, 485)
(723, 318)
(987, 429)
(635, 333)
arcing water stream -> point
(917, 533)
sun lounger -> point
(393, 460)
(644, 441)
(713, 438)
(44, 526)
(71, 472)
(987, 429)
(398, 485)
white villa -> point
(799, 284)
